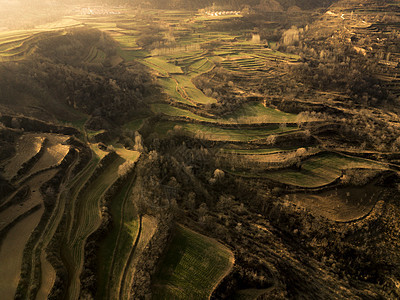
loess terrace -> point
(170, 154)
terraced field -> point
(11, 253)
(19, 44)
(48, 274)
(85, 218)
(258, 113)
(341, 205)
(54, 152)
(192, 267)
(321, 170)
(148, 226)
(194, 264)
(35, 198)
(190, 91)
(115, 249)
(158, 63)
(95, 55)
(215, 133)
(253, 113)
(173, 91)
(27, 147)
(178, 112)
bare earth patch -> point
(342, 205)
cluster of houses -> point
(97, 11)
(222, 13)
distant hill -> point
(237, 4)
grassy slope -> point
(115, 249)
(147, 229)
(163, 65)
(192, 91)
(259, 113)
(178, 112)
(171, 89)
(343, 204)
(192, 266)
(321, 169)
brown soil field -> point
(48, 278)
(54, 153)
(35, 198)
(342, 205)
(11, 252)
(27, 147)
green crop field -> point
(162, 64)
(201, 66)
(95, 56)
(192, 91)
(321, 169)
(131, 55)
(148, 226)
(126, 41)
(258, 113)
(192, 267)
(134, 124)
(115, 249)
(171, 89)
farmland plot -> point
(11, 251)
(192, 267)
(86, 219)
(321, 170)
(54, 153)
(27, 147)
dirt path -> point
(48, 278)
